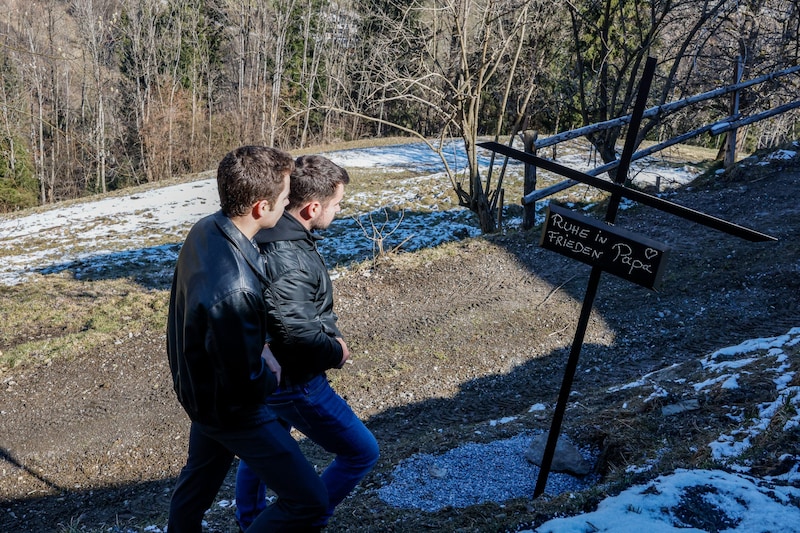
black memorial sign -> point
(614, 250)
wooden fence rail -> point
(729, 124)
(661, 110)
(716, 128)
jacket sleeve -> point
(303, 341)
(235, 340)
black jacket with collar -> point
(217, 327)
(299, 298)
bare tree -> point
(752, 41)
(314, 28)
(261, 31)
(36, 75)
(284, 10)
(176, 82)
(95, 20)
(139, 66)
(612, 39)
(248, 23)
(451, 56)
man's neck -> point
(295, 213)
(246, 225)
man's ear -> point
(260, 208)
(310, 210)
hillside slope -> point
(444, 341)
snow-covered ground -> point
(148, 227)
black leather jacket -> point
(299, 298)
(217, 327)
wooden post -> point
(730, 140)
(594, 280)
(501, 196)
(529, 210)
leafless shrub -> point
(379, 232)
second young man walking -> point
(306, 340)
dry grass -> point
(683, 153)
(58, 316)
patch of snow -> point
(740, 504)
(781, 155)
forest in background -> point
(98, 95)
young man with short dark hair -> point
(306, 340)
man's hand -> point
(345, 352)
(272, 363)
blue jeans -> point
(273, 454)
(323, 416)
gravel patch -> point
(474, 473)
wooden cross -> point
(569, 243)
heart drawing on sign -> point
(650, 253)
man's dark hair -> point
(315, 178)
(250, 174)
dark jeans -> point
(273, 455)
(324, 417)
